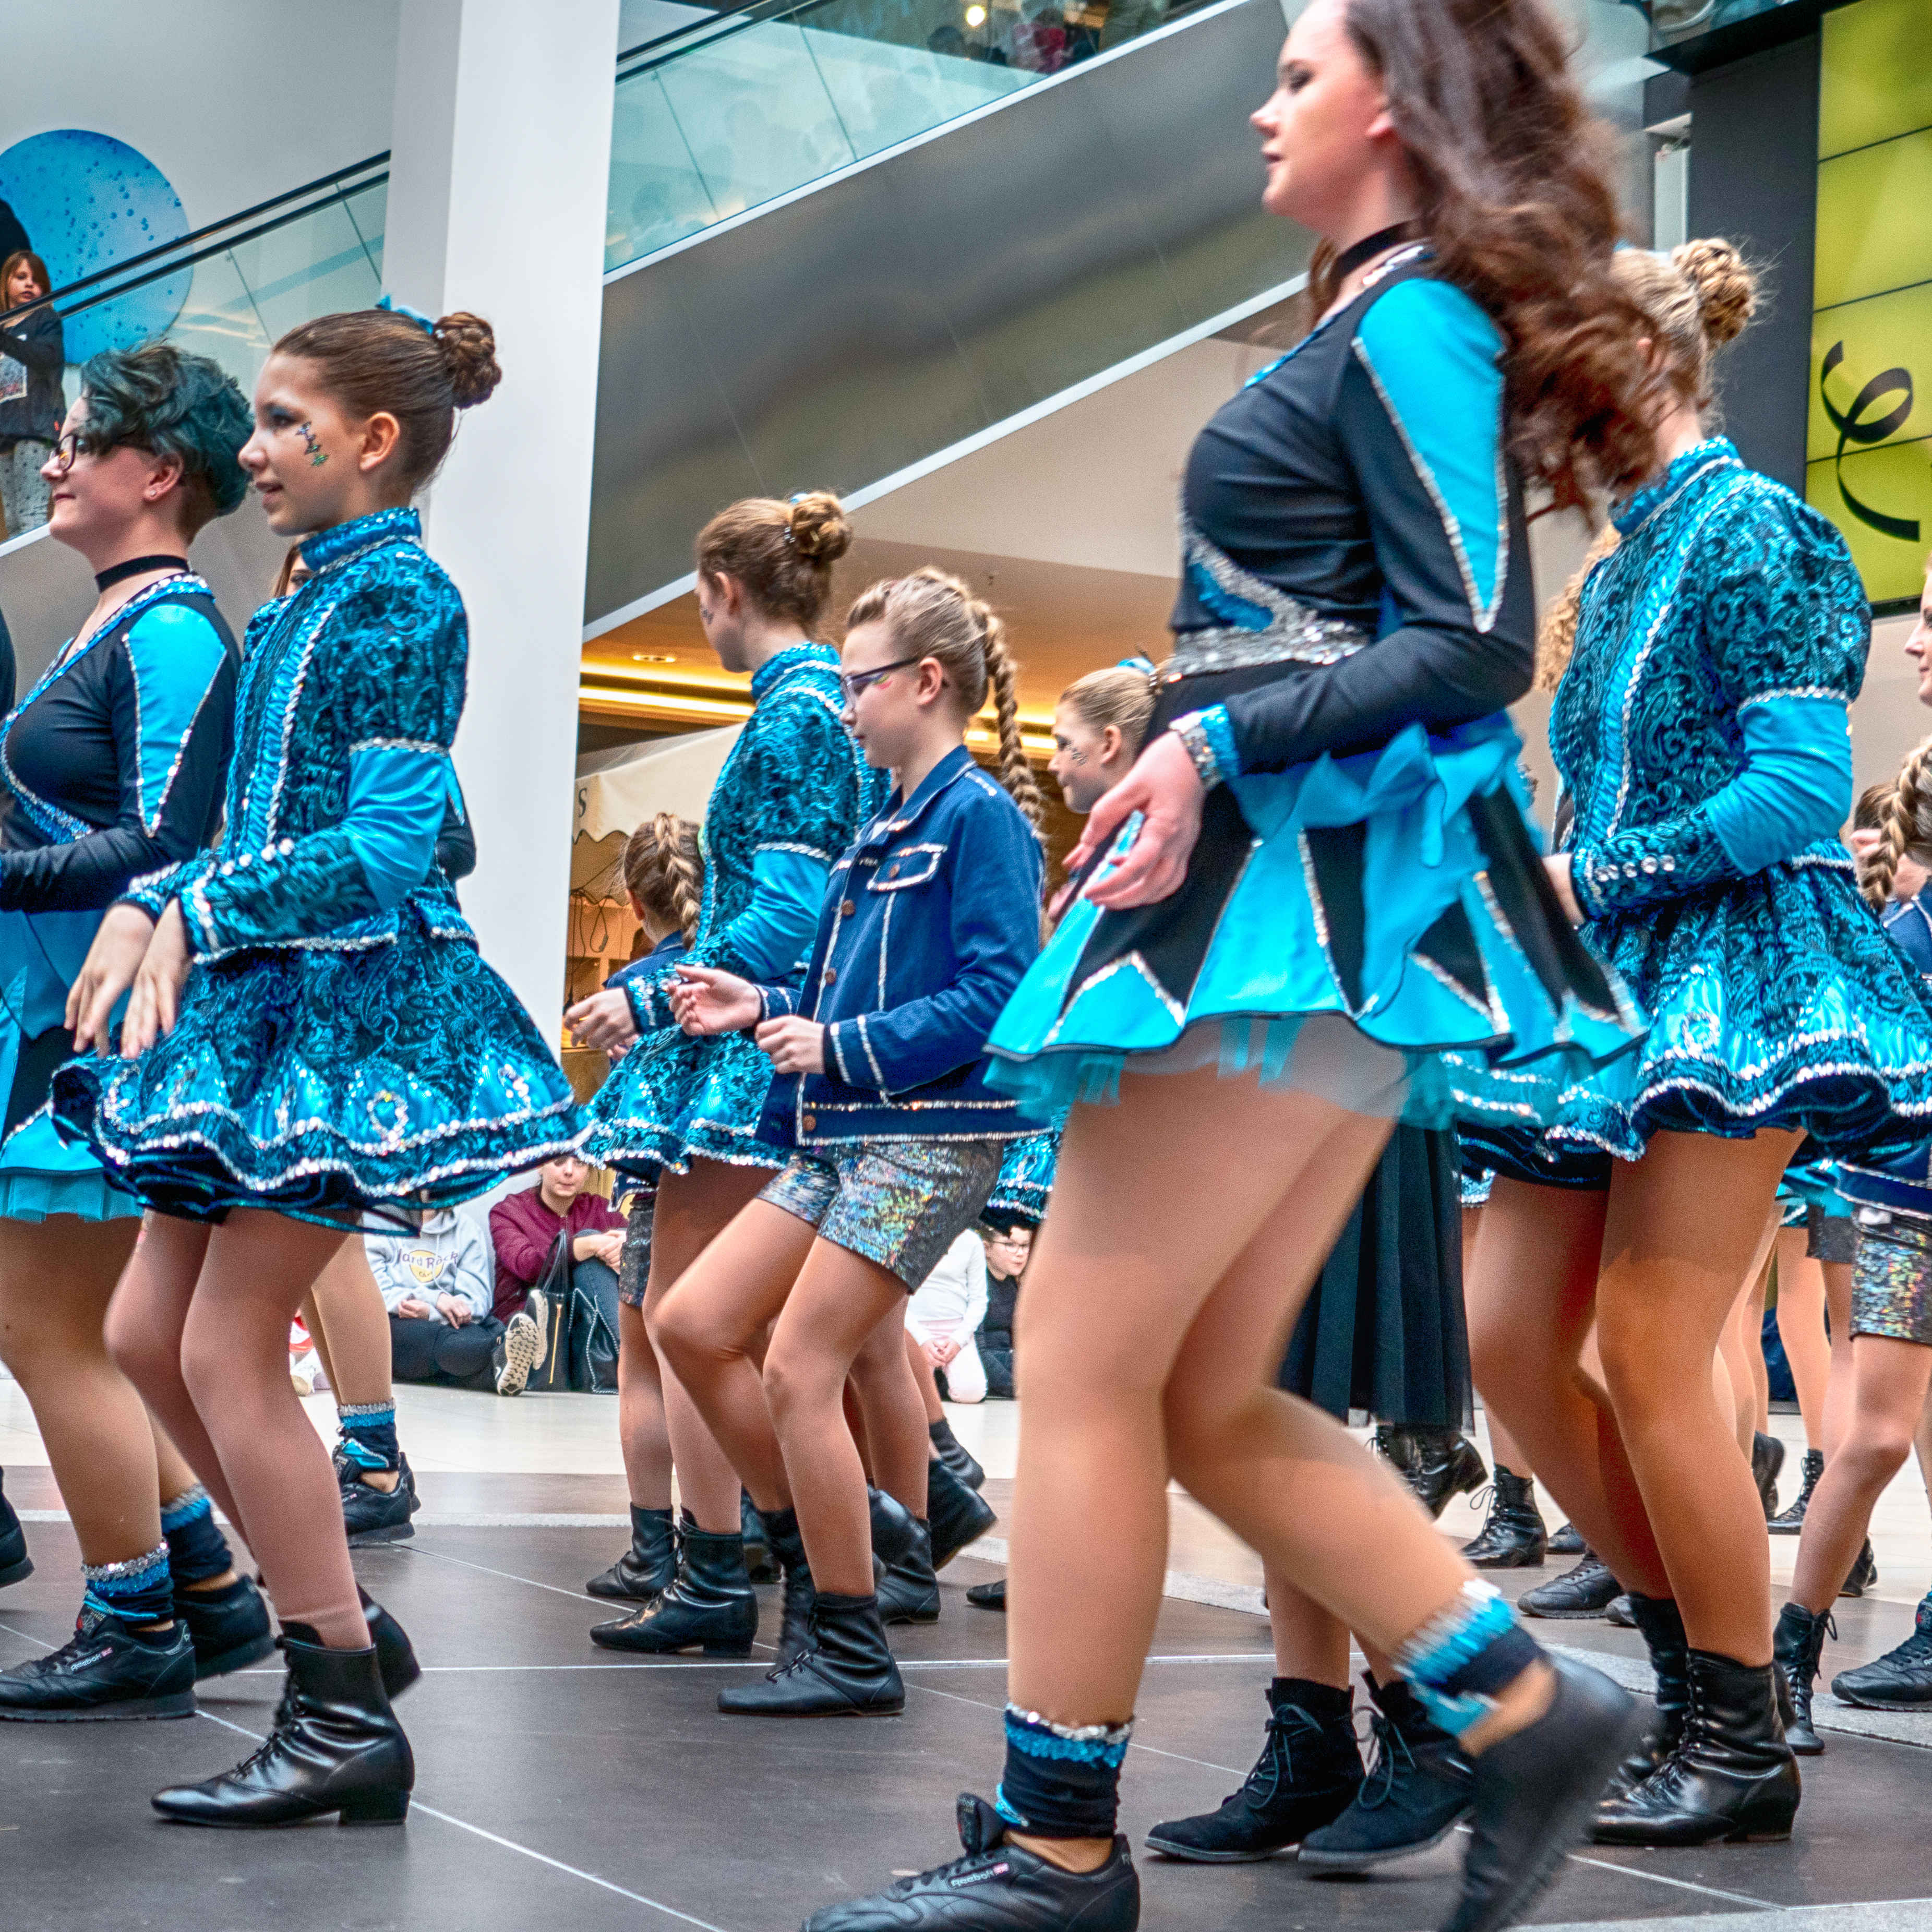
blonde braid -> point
(1015, 770)
(684, 869)
(1556, 635)
(1902, 828)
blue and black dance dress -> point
(111, 766)
(1701, 729)
(341, 1046)
(790, 800)
(1355, 610)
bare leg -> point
(922, 1374)
(895, 1417)
(176, 1480)
(1531, 1298)
(1687, 1225)
(1504, 1451)
(56, 1279)
(1891, 1379)
(1735, 1351)
(1838, 1397)
(1308, 1642)
(1921, 1441)
(312, 1320)
(643, 1434)
(1800, 1327)
(349, 1306)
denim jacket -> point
(927, 925)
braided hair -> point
(1904, 829)
(933, 615)
(664, 872)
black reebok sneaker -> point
(107, 1669)
(16, 1565)
(997, 1887)
(1586, 1590)
(229, 1628)
(1900, 1680)
(371, 1515)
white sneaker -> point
(536, 1305)
(523, 1350)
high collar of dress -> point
(341, 542)
(1636, 509)
(788, 660)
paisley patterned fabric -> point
(1776, 999)
(330, 1056)
(795, 782)
(1025, 1182)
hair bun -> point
(820, 532)
(1726, 287)
(469, 347)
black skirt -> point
(1385, 1330)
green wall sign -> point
(1868, 455)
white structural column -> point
(499, 178)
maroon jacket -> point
(523, 1232)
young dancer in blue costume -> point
(1700, 728)
(1890, 1327)
(790, 796)
(928, 922)
(311, 1034)
(1318, 892)
(111, 766)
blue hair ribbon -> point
(416, 315)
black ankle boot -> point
(710, 1604)
(338, 1748)
(846, 1670)
(1900, 1680)
(1515, 1538)
(1767, 1458)
(1587, 1590)
(760, 1566)
(1732, 1775)
(1435, 1461)
(1795, 1649)
(1863, 1574)
(229, 1628)
(1419, 1787)
(1308, 1771)
(909, 1590)
(787, 1550)
(957, 1516)
(16, 1565)
(1663, 1627)
(645, 1569)
(955, 1454)
(1792, 1520)
(996, 1887)
(395, 1655)
(895, 1527)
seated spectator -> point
(941, 1315)
(1007, 1248)
(525, 1228)
(438, 1285)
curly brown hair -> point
(782, 554)
(664, 872)
(1517, 203)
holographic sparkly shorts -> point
(902, 1204)
(1891, 1278)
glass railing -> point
(1674, 22)
(739, 110)
(229, 290)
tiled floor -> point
(560, 1785)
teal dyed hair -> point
(156, 397)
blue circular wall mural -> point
(88, 201)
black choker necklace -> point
(119, 573)
(1352, 257)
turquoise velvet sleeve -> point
(397, 795)
(1796, 784)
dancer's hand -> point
(604, 1019)
(112, 960)
(155, 1002)
(795, 1046)
(1164, 787)
(707, 1000)
(1558, 866)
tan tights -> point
(1821, 1363)
(200, 1325)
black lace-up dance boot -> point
(1795, 1646)
(1732, 1775)
(1662, 1625)
(1767, 1459)
(1587, 1590)
(16, 1565)
(955, 1454)
(759, 1564)
(909, 1589)
(845, 1670)
(395, 1657)
(1792, 1519)
(710, 1605)
(645, 1569)
(1900, 1680)
(895, 1527)
(787, 1550)
(1419, 1787)
(1435, 1461)
(336, 1747)
(1515, 1538)
(1864, 1572)
(1308, 1771)
(997, 1886)
(957, 1516)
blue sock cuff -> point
(138, 1588)
(1458, 1661)
(367, 1414)
(181, 1511)
(1034, 1736)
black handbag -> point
(580, 1345)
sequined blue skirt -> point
(1398, 891)
(1776, 1001)
(673, 1099)
(323, 1083)
(1025, 1183)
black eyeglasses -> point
(850, 684)
(74, 443)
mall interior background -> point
(984, 267)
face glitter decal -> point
(317, 455)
